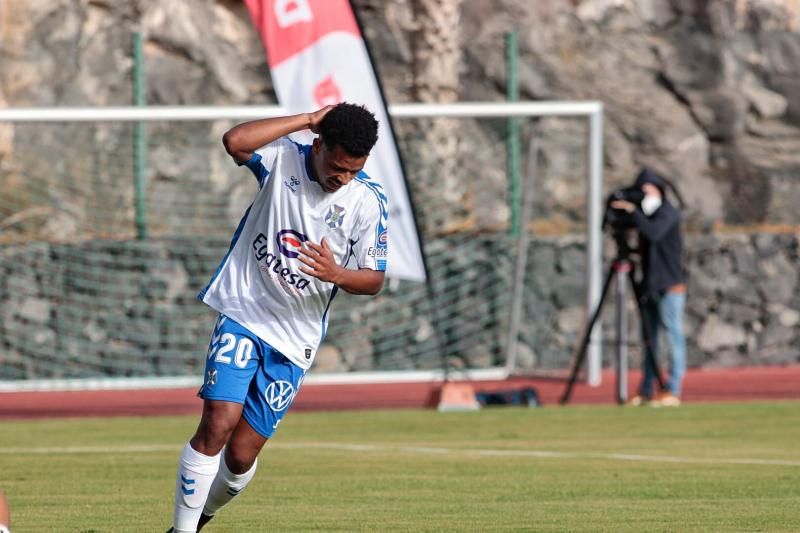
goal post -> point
(591, 111)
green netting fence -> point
(99, 267)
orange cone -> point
(457, 397)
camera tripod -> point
(621, 270)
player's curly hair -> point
(350, 126)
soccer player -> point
(316, 225)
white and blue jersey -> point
(259, 283)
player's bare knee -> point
(239, 461)
(210, 438)
(215, 428)
(208, 443)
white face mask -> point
(650, 204)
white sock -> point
(195, 474)
(226, 487)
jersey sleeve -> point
(371, 249)
(264, 158)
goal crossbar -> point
(205, 113)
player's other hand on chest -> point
(319, 262)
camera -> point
(619, 219)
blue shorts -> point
(242, 368)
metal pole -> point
(594, 241)
(512, 138)
(139, 141)
(523, 239)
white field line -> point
(418, 450)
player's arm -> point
(320, 263)
(361, 281)
(244, 139)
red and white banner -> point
(317, 57)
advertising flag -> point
(317, 56)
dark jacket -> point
(660, 241)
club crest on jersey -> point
(335, 216)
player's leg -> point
(216, 425)
(230, 366)
(236, 468)
(199, 461)
(273, 391)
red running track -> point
(701, 385)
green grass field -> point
(714, 467)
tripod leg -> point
(581, 353)
(647, 337)
(622, 332)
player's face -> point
(335, 168)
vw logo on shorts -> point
(279, 395)
(290, 240)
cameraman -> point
(660, 245)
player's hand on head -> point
(319, 261)
(316, 117)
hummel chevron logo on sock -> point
(184, 485)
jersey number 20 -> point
(243, 346)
